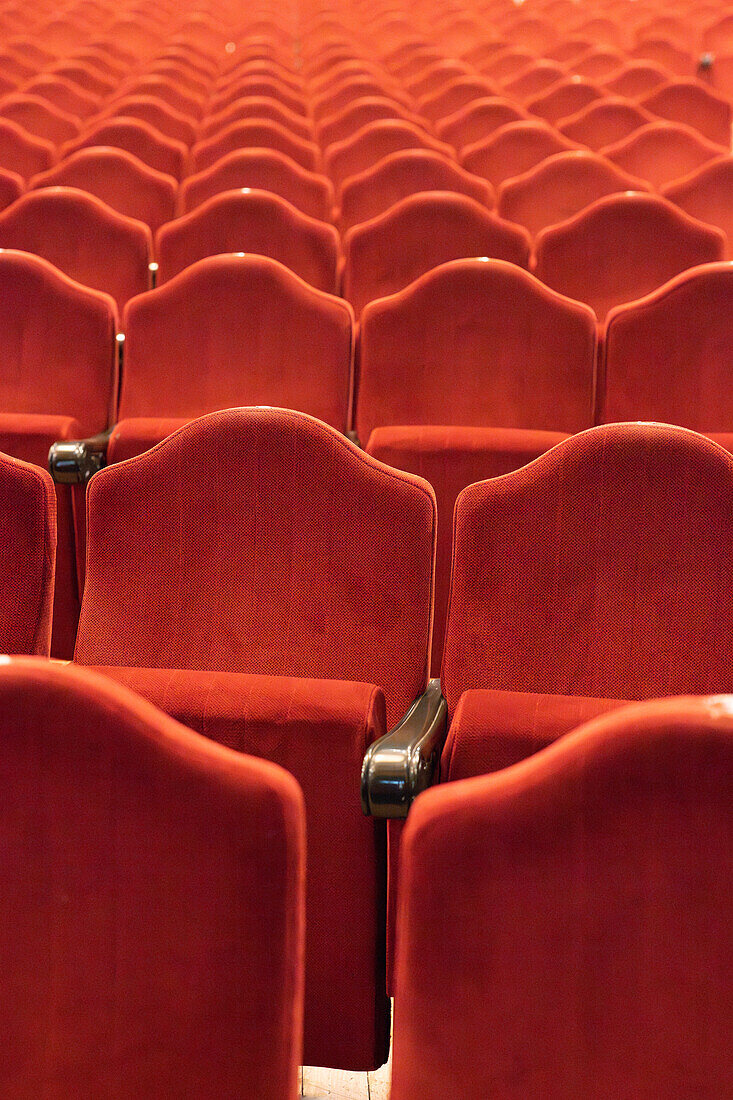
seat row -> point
(249, 540)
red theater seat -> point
(622, 247)
(40, 118)
(251, 221)
(326, 560)
(706, 195)
(373, 143)
(667, 356)
(597, 64)
(406, 173)
(256, 134)
(662, 152)
(584, 888)
(689, 102)
(256, 106)
(139, 138)
(64, 94)
(152, 883)
(164, 118)
(469, 372)
(120, 180)
(533, 79)
(358, 113)
(636, 79)
(180, 94)
(385, 254)
(28, 507)
(23, 153)
(567, 97)
(231, 330)
(12, 187)
(559, 187)
(83, 237)
(513, 149)
(604, 122)
(265, 170)
(453, 96)
(478, 120)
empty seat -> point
(251, 221)
(513, 149)
(255, 133)
(359, 113)
(689, 102)
(405, 173)
(668, 55)
(507, 63)
(351, 90)
(58, 380)
(667, 355)
(119, 179)
(139, 138)
(478, 120)
(159, 114)
(559, 187)
(260, 107)
(622, 247)
(636, 79)
(604, 122)
(327, 561)
(64, 94)
(453, 96)
(12, 187)
(148, 868)
(160, 87)
(591, 873)
(471, 371)
(266, 170)
(231, 330)
(533, 79)
(386, 253)
(28, 507)
(662, 152)
(435, 76)
(258, 85)
(567, 97)
(597, 64)
(40, 118)
(705, 195)
(373, 143)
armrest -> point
(398, 766)
(75, 461)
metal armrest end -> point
(75, 461)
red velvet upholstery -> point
(560, 186)
(257, 107)
(565, 926)
(254, 222)
(40, 118)
(513, 149)
(255, 133)
(248, 321)
(668, 355)
(348, 91)
(533, 79)
(636, 79)
(604, 122)
(58, 380)
(478, 120)
(622, 247)
(319, 730)
(386, 253)
(28, 508)
(401, 174)
(182, 94)
(705, 195)
(12, 187)
(151, 911)
(120, 180)
(23, 153)
(64, 94)
(662, 152)
(448, 99)
(159, 114)
(83, 237)
(372, 143)
(258, 85)
(272, 504)
(139, 138)
(599, 570)
(264, 169)
(358, 113)
(566, 97)
(689, 102)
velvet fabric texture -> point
(668, 355)
(374, 142)
(478, 120)
(621, 248)
(319, 730)
(688, 102)
(662, 152)
(266, 169)
(565, 923)
(262, 541)
(120, 180)
(255, 134)
(83, 237)
(262, 107)
(261, 333)
(23, 153)
(29, 521)
(139, 138)
(626, 600)
(513, 149)
(151, 911)
(604, 122)
(58, 380)
(385, 254)
(705, 195)
(251, 221)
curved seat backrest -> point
(602, 569)
(476, 343)
(706, 195)
(139, 138)
(513, 149)
(260, 540)
(478, 120)
(373, 143)
(237, 330)
(604, 122)
(23, 153)
(257, 134)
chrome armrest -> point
(398, 766)
(75, 461)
